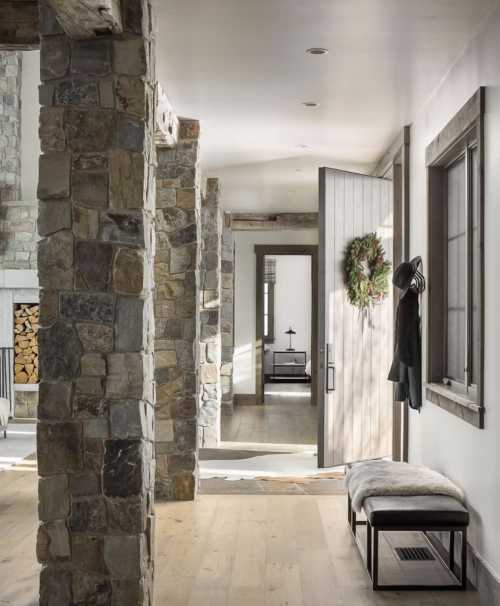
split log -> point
(26, 343)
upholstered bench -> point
(419, 513)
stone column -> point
(10, 126)
(210, 320)
(227, 316)
(177, 315)
(95, 429)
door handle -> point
(330, 370)
(330, 379)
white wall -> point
(292, 306)
(244, 354)
(286, 185)
(30, 110)
(471, 457)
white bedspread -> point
(389, 478)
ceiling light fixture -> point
(310, 104)
(317, 50)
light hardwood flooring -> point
(287, 417)
(271, 551)
(230, 550)
(18, 525)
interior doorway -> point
(287, 347)
(286, 321)
(275, 434)
(283, 411)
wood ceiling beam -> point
(19, 25)
(167, 123)
(272, 221)
(82, 19)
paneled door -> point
(355, 350)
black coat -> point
(406, 369)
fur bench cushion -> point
(388, 478)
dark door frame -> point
(261, 250)
(396, 160)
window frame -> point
(462, 137)
(270, 337)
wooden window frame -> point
(463, 134)
(270, 337)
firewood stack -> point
(26, 343)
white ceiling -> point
(240, 67)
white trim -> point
(19, 278)
(25, 386)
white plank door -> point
(354, 396)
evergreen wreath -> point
(366, 272)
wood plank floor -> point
(287, 417)
(18, 525)
(224, 550)
(271, 551)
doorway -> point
(273, 433)
(299, 276)
(283, 411)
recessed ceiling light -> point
(302, 146)
(310, 104)
(316, 50)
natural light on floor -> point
(297, 464)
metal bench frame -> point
(372, 553)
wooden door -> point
(355, 398)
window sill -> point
(455, 403)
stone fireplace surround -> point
(18, 286)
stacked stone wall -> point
(96, 408)
(18, 235)
(227, 317)
(209, 423)
(10, 125)
(177, 315)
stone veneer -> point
(26, 404)
(96, 409)
(18, 234)
(227, 316)
(177, 316)
(10, 125)
(209, 422)
(17, 219)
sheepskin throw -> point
(389, 478)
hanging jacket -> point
(406, 369)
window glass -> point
(457, 267)
(475, 265)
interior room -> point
(287, 414)
(248, 330)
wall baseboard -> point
(245, 399)
(482, 579)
